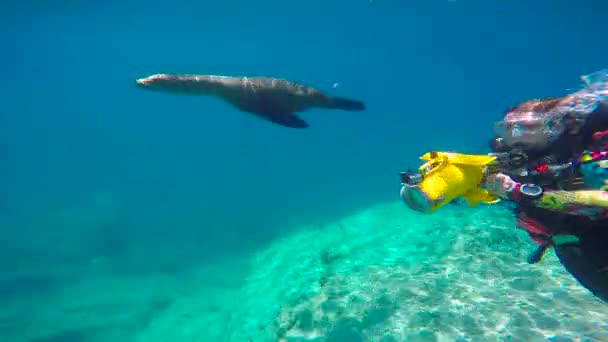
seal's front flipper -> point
(288, 120)
(345, 104)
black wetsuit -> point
(587, 258)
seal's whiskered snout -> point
(153, 79)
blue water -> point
(194, 173)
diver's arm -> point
(505, 187)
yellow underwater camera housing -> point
(444, 177)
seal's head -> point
(183, 84)
(163, 82)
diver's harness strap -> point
(507, 161)
(516, 162)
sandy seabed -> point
(384, 274)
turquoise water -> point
(136, 216)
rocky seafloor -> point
(385, 274)
(389, 274)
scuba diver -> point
(559, 144)
(549, 159)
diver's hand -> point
(500, 185)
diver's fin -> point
(288, 120)
(462, 159)
(345, 104)
(538, 253)
(474, 196)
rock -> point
(305, 320)
(523, 284)
(422, 336)
(344, 334)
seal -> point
(276, 100)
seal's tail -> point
(345, 104)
